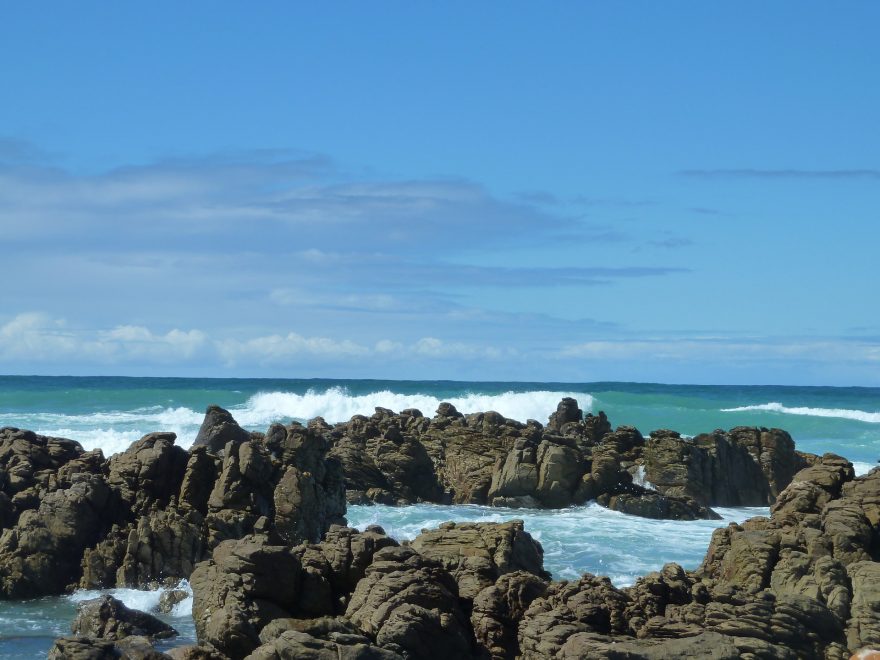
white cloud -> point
(36, 338)
(282, 348)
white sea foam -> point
(114, 431)
(145, 600)
(640, 480)
(840, 413)
(579, 539)
(863, 468)
(337, 404)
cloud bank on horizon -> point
(528, 205)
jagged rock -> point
(743, 467)
(476, 554)
(465, 450)
(567, 412)
(309, 496)
(41, 555)
(409, 604)
(161, 545)
(591, 605)
(108, 618)
(218, 429)
(29, 469)
(202, 470)
(249, 582)
(148, 472)
(246, 584)
(242, 494)
(497, 610)
(863, 629)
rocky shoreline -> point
(256, 522)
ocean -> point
(112, 412)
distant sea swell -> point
(842, 413)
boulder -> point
(108, 618)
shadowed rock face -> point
(152, 512)
(108, 618)
(485, 458)
(218, 429)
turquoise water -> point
(113, 412)
(110, 413)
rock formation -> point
(151, 513)
(251, 520)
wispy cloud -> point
(726, 349)
(750, 173)
(38, 338)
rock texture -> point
(251, 520)
(151, 513)
(485, 458)
(108, 618)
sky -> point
(680, 192)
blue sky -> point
(673, 192)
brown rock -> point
(476, 554)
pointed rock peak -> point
(218, 428)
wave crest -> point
(114, 431)
(840, 413)
(338, 405)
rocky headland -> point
(256, 522)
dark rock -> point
(148, 472)
(108, 618)
(567, 412)
(590, 605)
(161, 545)
(497, 610)
(218, 429)
(743, 467)
(650, 504)
(83, 648)
(41, 555)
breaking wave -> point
(114, 431)
(337, 404)
(840, 413)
